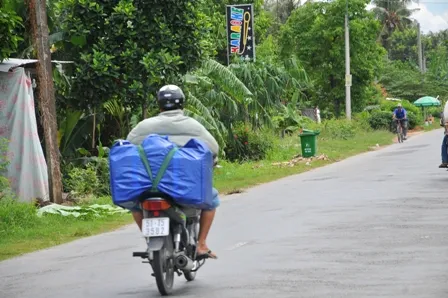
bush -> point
(435, 111)
(338, 129)
(362, 120)
(103, 174)
(4, 162)
(85, 166)
(373, 94)
(248, 144)
(388, 105)
(16, 215)
(380, 119)
(83, 181)
(414, 120)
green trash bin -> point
(308, 139)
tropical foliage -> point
(394, 15)
(136, 47)
(10, 24)
(124, 50)
(315, 33)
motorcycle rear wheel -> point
(163, 267)
(191, 275)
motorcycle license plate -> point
(156, 227)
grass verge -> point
(236, 177)
(21, 231)
(431, 126)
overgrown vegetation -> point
(9, 23)
(124, 50)
(4, 162)
(22, 231)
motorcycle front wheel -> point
(163, 267)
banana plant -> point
(117, 110)
(74, 131)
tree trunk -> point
(94, 129)
(336, 101)
(144, 111)
(46, 98)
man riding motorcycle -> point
(400, 115)
(180, 129)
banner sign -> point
(240, 32)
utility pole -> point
(348, 76)
(46, 98)
(419, 44)
(278, 14)
(424, 63)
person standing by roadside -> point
(443, 123)
(317, 114)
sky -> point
(432, 16)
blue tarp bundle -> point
(188, 178)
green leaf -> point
(83, 151)
(78, 40)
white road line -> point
(238, 245)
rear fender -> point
(155, 243)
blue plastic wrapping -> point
(188, 178)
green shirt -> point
(179, 128)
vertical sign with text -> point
(240, 32)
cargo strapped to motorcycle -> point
(163, 167)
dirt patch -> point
(411, 133)
(235, 191)
(300, 159)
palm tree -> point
(221, 96)
(282, 9)
(394, 15)
(215, 98)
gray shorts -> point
(134, 206)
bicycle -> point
(400, 133)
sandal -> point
(207, 255)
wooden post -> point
(94, 129)
(46, 98)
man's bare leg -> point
(206, 222)
(138, 218)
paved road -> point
(371, 226)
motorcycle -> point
(171, 234)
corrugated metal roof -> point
(11, 63)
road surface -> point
(375, 225)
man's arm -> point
(211, 142)
(132, 136)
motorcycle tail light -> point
(156, 205)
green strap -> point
(144, 159)
(163, 168)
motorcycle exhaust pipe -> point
(184, 263)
